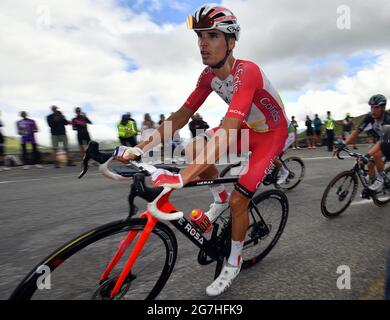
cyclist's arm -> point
(352, 137)
(181, 117)
(358, 130)
(376, 148)
(214, 149)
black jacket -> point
(197, 127)
(57, 123)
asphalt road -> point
(43, 208)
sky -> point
(115, 56)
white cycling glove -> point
(125, 154)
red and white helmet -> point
(209, 17)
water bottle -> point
(199, 218)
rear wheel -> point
(339, 194)
(75, 268)
(268, 214)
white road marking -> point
(56, 177)
(364, 201)
(13, 181)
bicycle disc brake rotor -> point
(105, 288)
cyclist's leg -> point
(220, 195)
(371, 170)
(377, 153)
(240, 221)
(278, 164)
(194, 148)
(265, 148)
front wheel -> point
(74, 270)
(339, 194)
(268, 214)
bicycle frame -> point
(359, 168)
(361, 171)
(183, 225)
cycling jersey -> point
(265, 147)
(249, 93)
(252, 99)
(377, 126)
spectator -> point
(329, 126)
(133, 137)
(79, 123)
(162, 119)
(57, 123)
(294, 125)
(309, 133)
(348, 126)
(160, 122)
(176, 141)
(147, 128)
(317, 129)
(3, 167)
(127, 130)
(197, 125)
(26, 129)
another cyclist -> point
(377, 118)
(255, 108)
(278, 164)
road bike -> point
(294, 165)
(342, 189)
(92, 266)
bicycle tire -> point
(378, 201)
(28, 287)
(301, 174)
(324, 208)
(258, 201)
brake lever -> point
(92, 152)
(85, 165)
(338, 154)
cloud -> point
(350, 93)
(115, 59)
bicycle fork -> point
(124, 244)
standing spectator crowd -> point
(128, 134)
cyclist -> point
(255, 109)
(278, 164)
(377, 118)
